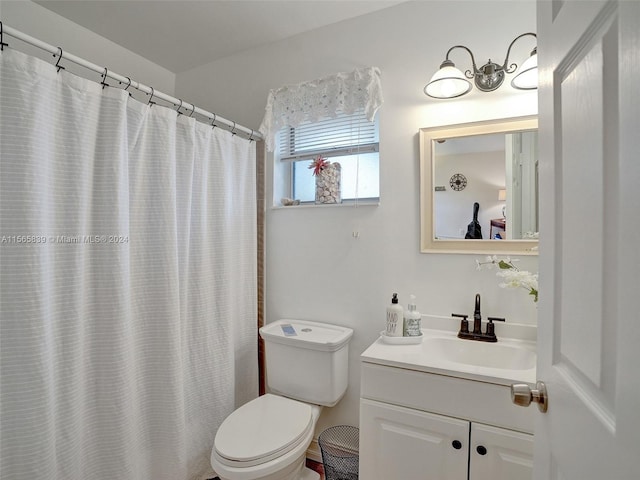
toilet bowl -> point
(267, 438)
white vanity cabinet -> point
(499, 454)
(416, 425)
(403, 443)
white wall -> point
(315, 268)
(485, 173)
(37, 21)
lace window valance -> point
(323, 98)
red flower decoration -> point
(319, 164)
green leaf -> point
(534, 292)
(504, 265)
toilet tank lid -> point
(307, 334)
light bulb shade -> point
(527, 75)
(448, 82)
(502, 195)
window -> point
(350, 140)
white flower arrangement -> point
(513, 276)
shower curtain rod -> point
(58, 52)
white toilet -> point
(267, 438)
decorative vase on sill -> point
(328, 176)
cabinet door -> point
(403, 444)
(499, 454)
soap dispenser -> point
(412, 319)
(394, 318)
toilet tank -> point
(307, 361)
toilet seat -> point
(262, 430)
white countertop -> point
(422, 358)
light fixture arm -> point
(512, 68)
(468, 73)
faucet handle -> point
(490, 327)
(464, 323)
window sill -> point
(345, 203)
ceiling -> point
(183, 34)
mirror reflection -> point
(479, 187)
(497, 174)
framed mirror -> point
(479, 187)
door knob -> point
(522, 394)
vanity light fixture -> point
(450, 82)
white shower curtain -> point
(127, 281)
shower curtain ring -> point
(178, 109)
(251, 136)
(213, 122)
(58, 66)
(128, 85)
(2, 44)
(104, 78)
(150, 103)
(233, 130)
(193, 109)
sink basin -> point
(512, 359)
(474, 353)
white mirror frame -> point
(428, 137)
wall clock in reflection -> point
(458, 182)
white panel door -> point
(588, 327)
(404, 444)
(499, 454)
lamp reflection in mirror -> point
(450, 82)
(502, 197)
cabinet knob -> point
(456, 444)
(481, 450)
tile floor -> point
(316, 467)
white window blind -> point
(349, 139)
(332, 137)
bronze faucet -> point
(477, 318)
(488, 336)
